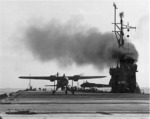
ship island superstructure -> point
(123, 76)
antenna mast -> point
(118, 30)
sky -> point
(22, 20)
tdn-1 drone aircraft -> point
(62, 81)
(89, 85)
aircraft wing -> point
(102, 85)
(94, 85)
(53, 77)
(35, 77)
(50, 85)
(90, 77)
(78, 77)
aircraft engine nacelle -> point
(52, 78)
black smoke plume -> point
(74, 43)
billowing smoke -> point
(74, 43)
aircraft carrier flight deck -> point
(106, 104)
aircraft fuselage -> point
(62, 83)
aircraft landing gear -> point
(53, 92)
(66, 92)
(72, 92)
(66, 88)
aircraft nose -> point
(66, 82)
